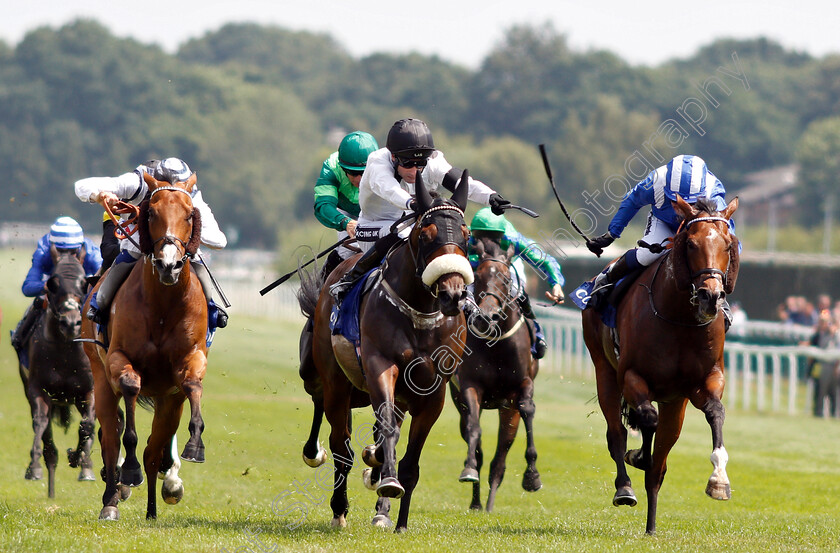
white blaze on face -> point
(169, 253)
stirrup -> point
(221, 317)
(95, 315)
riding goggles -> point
(409, 163)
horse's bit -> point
(169, 239)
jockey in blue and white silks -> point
(686, 176)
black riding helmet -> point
(410, 139)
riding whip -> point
(557, 195)
(525, 210)
(288, 275)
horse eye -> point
(692, 245)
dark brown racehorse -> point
(412, 338)
(497, 373)
(670, 334)
(157, 329)
(58, 376)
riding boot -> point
(539, 347)
(372, 258)
(368, 261)
(333, 260)
(100, 304)
(27, 323)
(203, 275)
(524, 303)
(603, 283)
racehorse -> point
(58, 374)
(668, 349)
(497, 373)
(157, 329)
(411, 339)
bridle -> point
(503, 302)
(445, 235)
(168, 238)
(710, 271)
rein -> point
(712, 272)
(169, 239)
(121, 229)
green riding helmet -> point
(486, 220)
(355, 149)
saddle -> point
(581, 295)
(345, 319)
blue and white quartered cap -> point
(66, 233)
(689, 177)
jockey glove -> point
(597, 245)
(497, 203)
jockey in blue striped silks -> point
(686, 176)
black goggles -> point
(350, 173)
(408, 163)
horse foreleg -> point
(129, 386)
(168, 411)
(643, 416)
(508, 425)
(40, 420)
(50, 454)
(609, 399)
(194, 448)
(471, 433)
(671, 417)
(709, 402)
(531, 479)
(81, 456)
(422, 420)
(107, 406)
(388, 421)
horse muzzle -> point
(168, 272)
(709, 302)
(451, 292)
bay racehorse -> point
(498, 372)
(412, 335)
(157, 329)
(668, 348)
(58, 373)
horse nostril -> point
(178, 265)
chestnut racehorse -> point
(412, 337)
(157, 329)
(670, 335)
(497, 373)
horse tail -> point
(61, 415)
(147, 403)
(310, 288)
(629, 415)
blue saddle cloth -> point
(345, 320)
(581, 295)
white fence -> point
(763, 378)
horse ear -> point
(53, 254)
(461, 191)
(151, 182)
(479, 248)
(730, 209)
(683, 208)
(424, 198)
(734, 264)
(53, 285)
(190, 182)
(80, 255)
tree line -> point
(256, 109)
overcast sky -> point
(462, 31)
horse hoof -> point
(531, 482)
(73, 458)
(173, 496)
(369, 456)
(36, 473)
(125, 492)
(109, 513)
(367, 478)
(390, 487)
(635, 459)
(131, 477)
(319, 459)
(381, 521)
(468, 475)
(86, 475)
(193, 454)
(339, 522)
(624, 496)
(716, 490)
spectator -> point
(823, 374)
